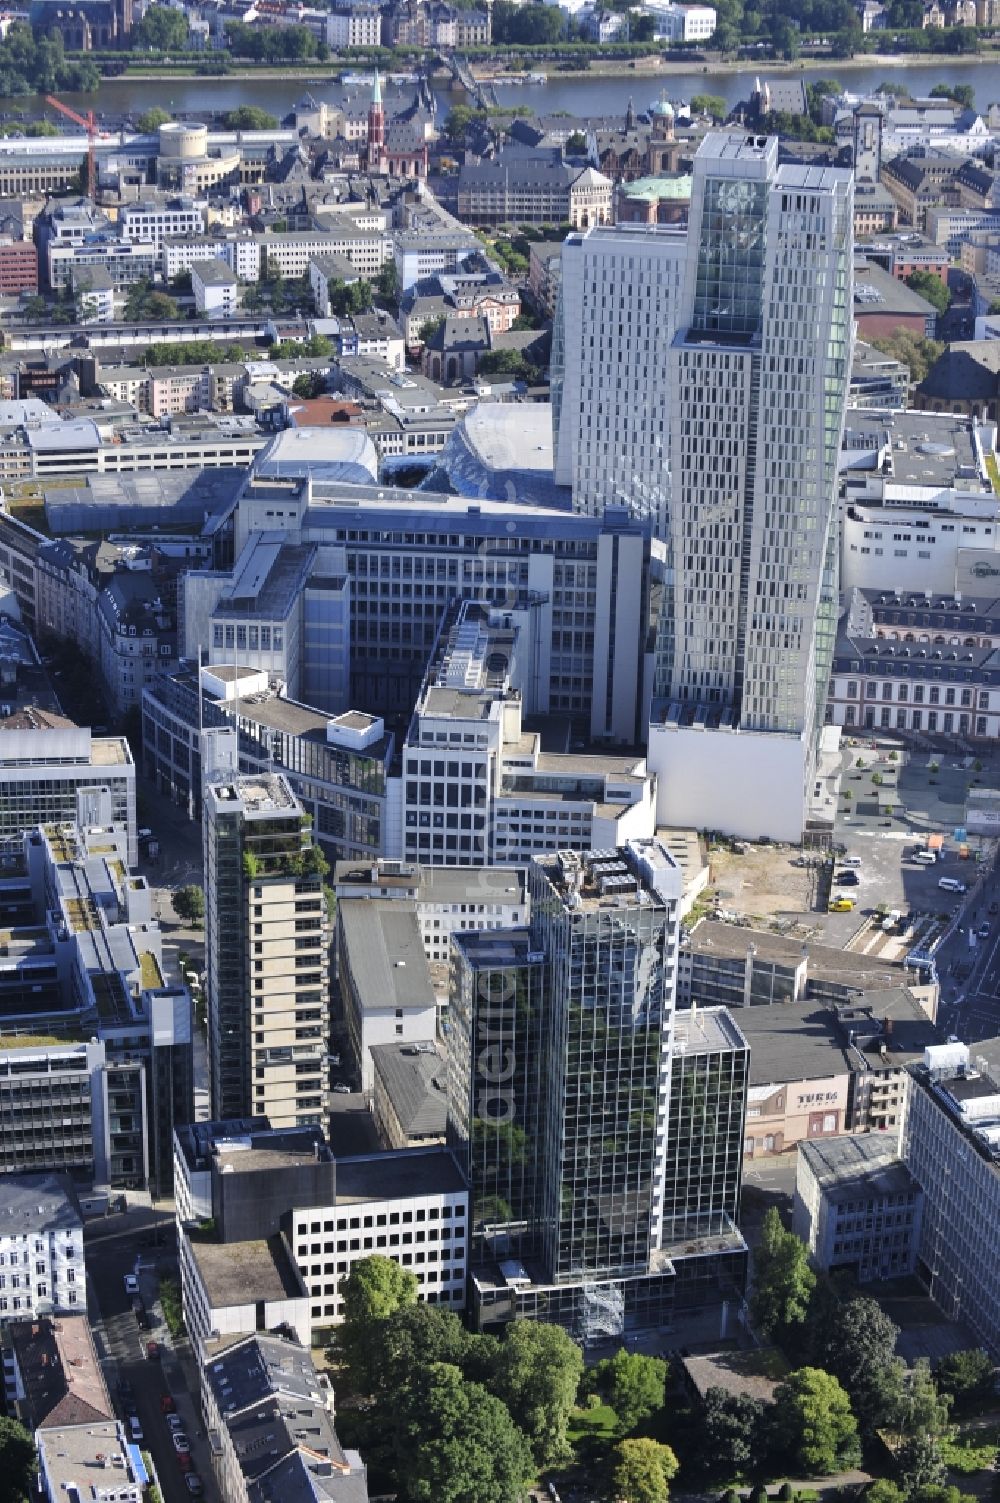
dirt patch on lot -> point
(765, 883)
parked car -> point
(984, 931)
(167, 1405)
(131, 1284)
(184, 1461)
(181, 1442)
(194, 1484)
(341, 1090)
(175, 1422)
(153, 1350)
(847, 879)
(841, 905)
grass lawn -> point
(973, 1449)
(598, 1424)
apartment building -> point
(533, 188)
(41, 1247)
(475, 787)
(386, 991)
(267, 1386)
(446, 901)
(241, 253)
(18, 268)
(266, 946)
(85, 962)
(285, 1210)
(150, 221)
(51, 1372)
(857, 1208)
(54, 772)
(68, 1457)
(354, 26)
(584, 581)
(619, 292)
(215, 289)
(337, 766)
(917, 664)
(124, 261)
(288, 254)
(425, 252)
(950, 1146)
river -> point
(575, 95)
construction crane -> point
(90, 126)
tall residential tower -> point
(720, 416)
(266, 951)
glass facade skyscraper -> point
(601, 1197)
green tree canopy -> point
(349, 297)
(388, 282)
(709, 104)
(536, 1370)
(921, 1409)
(17, 1462)
(375, 1288)
(308, 384)
(456, 1442)
(152, 119)
(634, 1386)
(412, 1337)
(930, 287)
(162, 29)
(813, 1424)
(963, 94)
(249, 117)
(527, 25)
(576, 144)
(730, 1434)
(920, 1464)
(189, 903)
(885, 1491)
(855, 1340)
(783, 1280)
(914, 351)
(643, 1470)
(967, 1376)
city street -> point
(113, 1245)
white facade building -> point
(88, 1461)
(615, 318)
(215, 291)
(146, 221)
(355, 26)
(385, 982)
(41, 1247)
(857, 1207)
(447, 900)
(682, 23)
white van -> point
(851, 861)
(891, 920)
(952, 884)
(925, 858)
(136, 1428)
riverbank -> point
(651, 67)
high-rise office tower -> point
(560, 1099)
(266, 951)
(615, 317)
(719, 403)
(705, 1125)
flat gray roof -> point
(385, 954)
(413, 1078)
(435, 884)
(866, 1163)
(793, 1041)
(704, 1030)
(398, 1175)
(246, 1273)
(824, 962)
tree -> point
(158, 305)
(388, 282)
(730, 1434)
(456, 1443)
(812, 1422)
(527, 25)
(930, 287)
(189, 903)
(914, 351)
(856, 1341)
(643, 1472)
(963, 94)
(17, 1462)
(152, 119)
(921, 1410)
(349, 297)
(967, 1376)
(509, 363)
(634, 1385)
(249, 117)
(536, 1370)
(920, 1463)
(162, 29)
(783, 1280)
(884, 1491)
(412, 1337)
(709, 104)
(576, 144)
(308, 384)
(375, 1288)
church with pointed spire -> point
(397, 148)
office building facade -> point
(266, 952)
